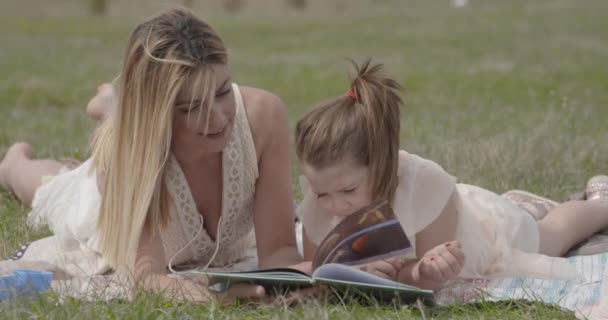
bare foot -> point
(70, 163)
(102, 102)
(18, 151)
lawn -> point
(502, 94)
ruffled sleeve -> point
(423, 191)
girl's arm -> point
(442, 230)
(435, 268)
(440, 257)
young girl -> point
(186, 168)
(349, 151)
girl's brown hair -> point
(131, 148)
(362, 124)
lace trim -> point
(239, 168)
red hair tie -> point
(351, 93)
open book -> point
(372, 233)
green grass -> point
(152, 307)
(502, 94)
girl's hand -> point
(441, 263)
(387, 269)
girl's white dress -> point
(69, 204)
(499, 238)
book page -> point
(276, 275)
(338, 272)
(369, 234)
(345, 279)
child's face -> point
(341, 189)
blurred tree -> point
(298, 4)
(233, 6)
(99, 7)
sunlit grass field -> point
(502, 94)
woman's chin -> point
(217, 141)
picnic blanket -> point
(587, 299)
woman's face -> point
(192, 134)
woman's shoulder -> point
(267, 114)
(261, 104)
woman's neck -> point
(196, 159)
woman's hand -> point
(305, 267)
(194, 289)
(241, 292)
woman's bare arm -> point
(309, 247)
(273, 204)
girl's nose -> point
(341, 208)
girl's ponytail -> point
(362, 124)
(379, 96)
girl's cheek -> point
(362, 199)
(324, 204)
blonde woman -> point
(188, 167)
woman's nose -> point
(216, 121)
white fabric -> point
(69, 204)
(240, 172)
(422, 192)
(587, 299)
(498, 238)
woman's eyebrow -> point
(189, 102)
(224, 84)
(198, 101)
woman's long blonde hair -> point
(363, 124)
(131, 148)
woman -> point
(189, 167)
